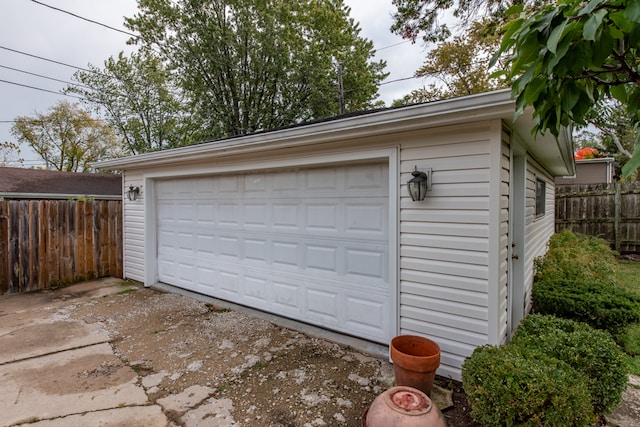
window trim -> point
(541, 197)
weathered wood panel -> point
(608, 211)
(48, 243)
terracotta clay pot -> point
(415, 361)
(403, 407)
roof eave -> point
(451, 111)
(486, 106)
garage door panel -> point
(322, 179)
(367, 263)
(321, 257)
(366, 219)
(255, 183)
(365, 177)
(287, 298)
(256, 250)
(365, 314)
(230, 284)
(322, 217)
(322, 304)
(311, 245)
(256, 289)
(229, 246)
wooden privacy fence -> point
(48, 243)
(609, 211)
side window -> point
(541, 197)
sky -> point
(29, 27)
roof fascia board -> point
(440, 113)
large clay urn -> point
(403, 407)
(415, 361)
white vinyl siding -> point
(538, 230)
(444, 242)
(504, 239)
(133, 229)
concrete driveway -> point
(53, 368)
(108, 353)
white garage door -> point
(312, 245)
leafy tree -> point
(461, 66)
(247, 65)
(139, 100)
(429, 17)
(10, 154)
(617, 132)
(67, 138)
(571, 56)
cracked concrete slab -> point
(211, 413)
(69, 382)
(40, 337)
(189, 398)
(133, 416)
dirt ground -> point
(263, 374)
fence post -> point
(618, 217)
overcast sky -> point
(37, 30)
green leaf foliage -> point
(602, 306)
(592, 353)
(247, 65)
(511, 386)
(588, 53)
(140, 101)
(630, 339)
(574, 256)
(67, 138)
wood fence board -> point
(54, 245)
(43, 242)
(609, 211)
(46, 243)
(4, 246)
(92, 261)
(24, 240)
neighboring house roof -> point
(556, 154)
(591, 171)
(35, 183)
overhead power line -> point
(39, 88)
(45, 59)
(399, 80)
(393, 45)
(85, 19)
(42, 76)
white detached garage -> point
(314, 222)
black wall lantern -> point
(133, 192)
(419, 184)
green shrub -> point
(630, 339)
(575, 256)
(508, 387)
(602, 306)
(593, 353)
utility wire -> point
(39, 88)
(45, 59)
(43, 76)
(85, 19)
(399, 80)
(393, 45)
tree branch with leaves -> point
(67, 138)
(567, 58)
